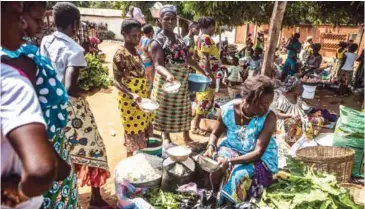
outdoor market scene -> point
(182, 105)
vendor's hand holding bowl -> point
(223, 163)
(210, 152)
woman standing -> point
(209, 60)
(53, 100)
(249, 154)
(290, 65)
(87, 147)
(170, 58)
(130, 79)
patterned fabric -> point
(205, 100)
(174, 113)
(345, 77)
(291, 129)
(136, 123)
(83, 36)
(290, 65)
(241, 140)
(53, 100)
(147, 60)
(87, 146)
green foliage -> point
(109, 35)
(233, 13)
(95, 75)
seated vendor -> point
(249, 154)
(314, 60)
(294, 118)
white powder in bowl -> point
(139, 169)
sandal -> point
(200, 132)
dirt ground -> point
(105, 109)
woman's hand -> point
(136, 98)
(10, 194)
(223, 163)
(170, 78)
(210, 152)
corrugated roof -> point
(100, 12)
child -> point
(233, 77)
(347, 69)
(255, 62)
(146, 39)
(340, 52)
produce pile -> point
(168, 200)
(95, 75)
(140, 168)
(308, 191)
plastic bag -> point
(349, 133)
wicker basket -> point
(334, 160)
(356, 191)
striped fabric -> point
(174, 114)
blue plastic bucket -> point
(198, 83)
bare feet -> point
(187, 138)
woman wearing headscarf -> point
(130, 79)
(171, 58)
(294, 119)
(249, 154)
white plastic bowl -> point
(148, 105)
(171, 87)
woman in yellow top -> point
(208, 54)
(130, 79)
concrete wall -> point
(114, 23)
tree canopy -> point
(233, 13)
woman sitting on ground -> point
(249, 154)
(293, 119)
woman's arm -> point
(219, 129)
(159, 61)
(261, 144)
(193, 63)
(38, 158)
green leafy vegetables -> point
(95, 75)
(307, 191)
(166, 200)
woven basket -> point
(356, 191)
(333, 160)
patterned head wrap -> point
(168, 8)
(290, 83)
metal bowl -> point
(148, 105)
(207, 164)
(171, 87)
(179, 153)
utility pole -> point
(274, 33)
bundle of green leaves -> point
(304, 189)
(95, 75)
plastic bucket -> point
(198, 83)
(154, 147)
(309, 91)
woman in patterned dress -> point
(87, 147)
(130, 79)
(53, 99)
(249, 154)
(171, 60)
(209, 60)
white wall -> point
(114, 23)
